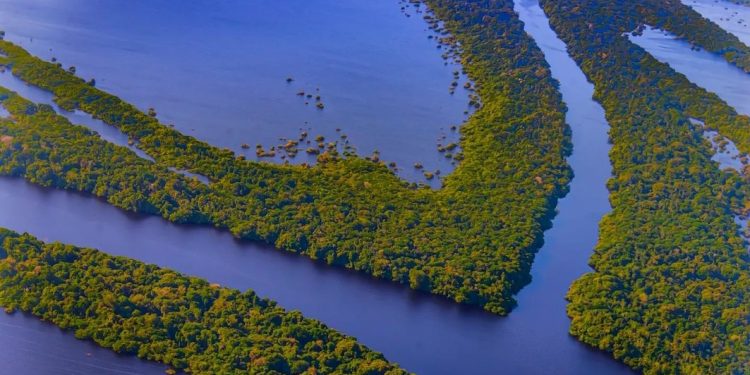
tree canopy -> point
(669, 291)
(472, 241)
(158, 314)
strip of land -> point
(472, 241)
(669, 291)
(680, 20)
(160, 315)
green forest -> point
(685, 23)
(669, 291)
(158, 314)
(472, 241)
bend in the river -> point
(218, 71)
(423, 333)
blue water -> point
(701, 67)
(713, 73)
(732, 17)
(425, 334)
(31, 346)
(217, 70)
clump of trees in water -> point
(472, 241)
(669, 291)
(160, 315)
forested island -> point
(669, 291)
(160, 315)
(472, 241)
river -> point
(701, 67)
(732, 17)
(218, 70)
(423, 333)
(713, 73)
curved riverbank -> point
(423, 333)
(671, 271)
(31, 346)
(218, 71)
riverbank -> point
(157, 314)
(219, 72)
(424, 333)
(670, 264)
(328, 211)
(730, 15)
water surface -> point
(425, 334)
(701, 67)
(31, 346)
(713, 73)
(732, 17)
(218, 70)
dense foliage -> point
(161, 315)
(685, 23)
(669, 294)
(46, 149)
(472, 241)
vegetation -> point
(684, 22)
(669, 291)
(47, 150)
(472, 241)
(158, 314)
